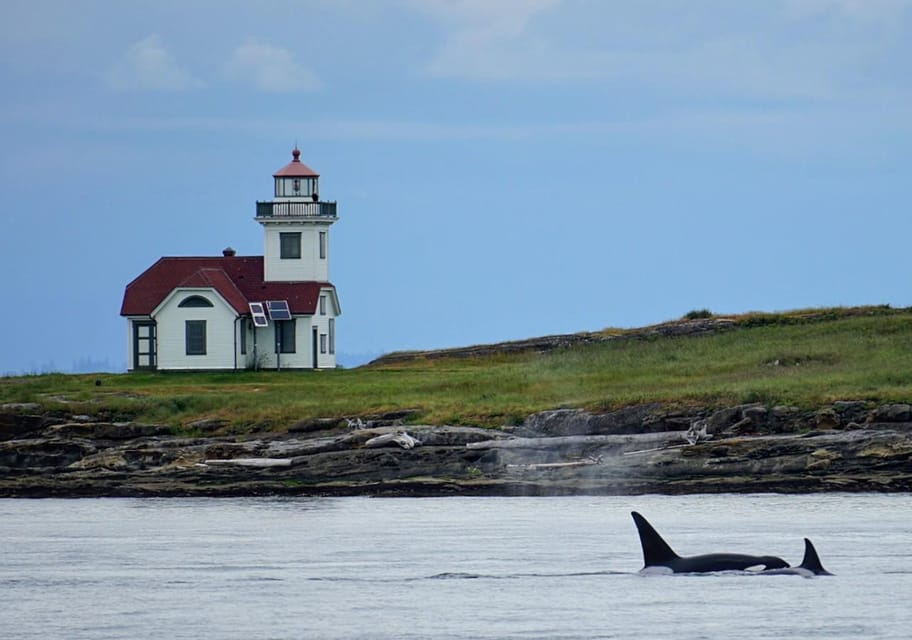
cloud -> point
(504, 16)
(884, 11)
(782, 50)
(149, 65)
(269, 68)
(486, 39)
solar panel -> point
(278, 310)
(259, 315)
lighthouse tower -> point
(296, 226)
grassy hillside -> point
(804, 358)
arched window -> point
(195, 301)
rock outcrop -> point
(696, 327)
(847, 446)
(687, 326)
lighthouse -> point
(275, 311)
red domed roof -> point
(296, 168)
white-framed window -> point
(194, 301)
(322, 245)
(285, 336)
(322, 343)
(244, 322)
(332, 335)
(322, 305)
(195, 337)
(289, 245)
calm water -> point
(446, 568)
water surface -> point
(453, 568)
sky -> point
(504, 168)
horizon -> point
(504, 170)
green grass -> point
(771, 358)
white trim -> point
(337, 309)
(178, 290)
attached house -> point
(229, 312)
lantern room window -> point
(285, 187)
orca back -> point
(811, 560)
(656, 551)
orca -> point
(810, 564)
(658, 556)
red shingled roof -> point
(296, 168)
(238, 279)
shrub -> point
(698, 314)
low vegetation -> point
(804, 358)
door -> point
(313, 348)
(143, 345)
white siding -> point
(266, 357)
(220, 332)
(309, 267)
(246, 360)
(223, 337)
(321, 322)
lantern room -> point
(297, 180)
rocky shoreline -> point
(847, 446)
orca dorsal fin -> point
(811, 560)
(656, 551)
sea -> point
(448, 568)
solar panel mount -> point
(259, 314)
(278, 309)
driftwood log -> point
(251, 462)
(557, 465)
(629, 442)
(400, 438)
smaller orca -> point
(658, 555)
(810, 564)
